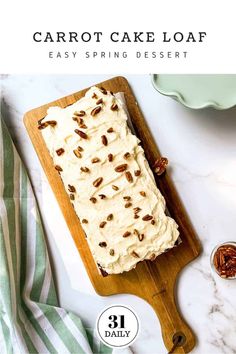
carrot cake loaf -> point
(109, 181)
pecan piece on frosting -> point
(84, 169)
(137, 173)
(100, 101)
(147, 217)
(102, 244)
(77, 153)
(127, 197)
(110, 157)
(95, 160)
(102, 224)
(104, 140)
(103, 90)
(129, 177)
(80, 113)
(127, 234)
(95, 111)
(58, 168)
(135, 254)
(83, 135)
(121, 168)
(109, 217)
(114, 107)
(51, 123)
(127, 155)
(72, 197)
(71, 188)
(115, 187)
(97, 182)
(141, 237)
(60, 151)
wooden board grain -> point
(152, 281)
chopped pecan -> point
(104, 140)
(160, 165)
(114, 107)
(153, 257)
(136, 216)
(127, 197)
(60, 151)
(40, 121)
(110, 130)
(137, 210)
(102, 224)
(147, 217)
(97, 182)
(128, 205)
(141, 237)
(127, 234)
(95, 160)
(135, 254)
(94, 95)
(153, 222)
(102, 196)
(72, 197)
(83, 135)
(121, 168)
(93, 200)
(77, 153)
(79, 148)
(80, 113)
(84, 169)
(129, 177)
(142, 193)
(58, 168)
(109, 217)
(224, 261)
(112, 252)
(51, 123)
(110, 157)
(71, 188)
(127, 155)
(115, 187)
(137, 173)
(100, 101)
(95, 111)
(84, 221)
(103, 90)
(102, 244)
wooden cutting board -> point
(152, 281)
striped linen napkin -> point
(30, 319)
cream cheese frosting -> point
(109, 181)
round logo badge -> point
(117, 326)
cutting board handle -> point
(177, 335)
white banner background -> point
(20, 19)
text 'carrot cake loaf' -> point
(109, 181)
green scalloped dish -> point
(198, 91)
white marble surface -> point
(201, 147)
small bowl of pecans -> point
(223, 260)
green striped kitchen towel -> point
(30, 319)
